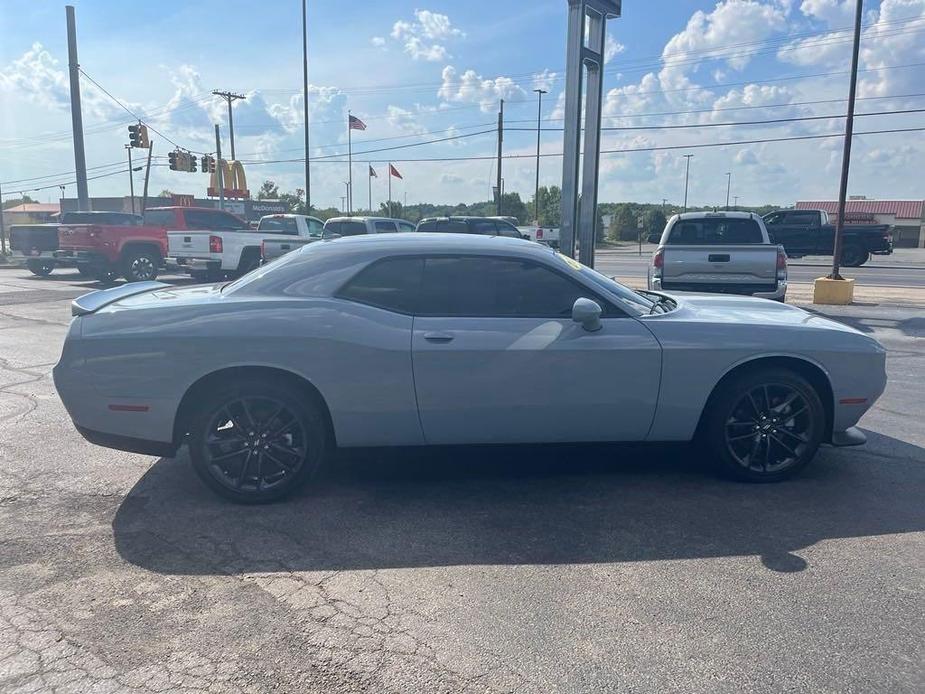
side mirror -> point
(588, 313)
(654, 238)
(330, 235)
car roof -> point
(717, 214)
(366, 218)
(412, 242)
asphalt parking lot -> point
(528, 569)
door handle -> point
(718, 258)
(438, 337)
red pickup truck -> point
(137, 253)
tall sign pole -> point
(131, 178)
(687, 175)
(2, 228)
(349, 166)
(536, 191)
(308, 176)
(219, 166)
(500, 144)
(580, 58)
(846, 155)
(144, 195)
(77, 127)
(229, 97)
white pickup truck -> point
(545, 235)
(718, 252)
(210, 255)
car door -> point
(497, 358)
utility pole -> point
(735, 204)
(144, 196)
(728, 185)
(308, 176)
(77, 126)
(500, 140)
(687, 173)
(342, 203)
(131, 179)
(229, 97)
(219, 169)
(347, 186)
(536, 194)
(2, 228)
(846, 155)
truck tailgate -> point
(275, 247)
(747, 267)
(189, 244)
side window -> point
(331, 228)
(208, 220)
(496, 287)
(805, 219)
(427, 226)
(278, 225)
(392, 284)
(509, 230)
(315, 227)
(484, 226)
(160, 218)
(453, 226)
(405, 226)
(772, 219)
(385, 227)
(352, 228)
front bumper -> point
(852, 436)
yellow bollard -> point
(833, 292)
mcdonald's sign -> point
(234, 182)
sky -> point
(681, 77)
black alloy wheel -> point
(140, 267)
(766, 426)
(256, 443)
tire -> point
(140, 266)
(250, 260)
(753, 440)
(84, 272)
(105, 275)
(854, 255)
(292, 445)
(40, 268)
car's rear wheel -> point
(41, 268)
(854, 255)
(254, 442)
(764, 425)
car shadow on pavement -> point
(521, 505)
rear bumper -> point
(777, 293)
(852, 436)
(128, 443)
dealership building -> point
(907, 217)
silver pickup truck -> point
(718, 252)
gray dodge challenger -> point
(417, 339)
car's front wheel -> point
(257, 441)
(764, 425)
(41, 268)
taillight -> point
(658, 260)
(215, 244)
(539, 233)
(263, 249)
(781, 259)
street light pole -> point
(728, 185)
(687, 173)
(536, 194)
(308, 182)
(131, 178)
(229, 97)
(735, 203)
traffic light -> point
(204, 163)
(134, 135)
(192, 162)
(211, 164)
(173, 161)
(143, 136)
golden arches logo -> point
(234, 182)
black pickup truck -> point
(809, 232)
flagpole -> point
(349, 167)
(369, 175)
(390, 189)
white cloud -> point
(544, 80)
(377, 41)
(452, 179)
(470, 87)
(839, 12)
(423, 39)
(404, 120)
(612, 48)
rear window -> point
(427, 226)
(715, 231)
(453, 226)
(385, 227)
(352, 228)
(279, 225)
(160, 218)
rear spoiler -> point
(94, 301)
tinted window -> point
(278, 225)
(315, 227)
(393, 284)
(208, 220)
(506, 229)
(332, 228)
(715, 230)
(427, 226)
(385, 227)
(487, 286)
(483, 226)
(801, 218)
(352, 228)
(452, 226)
(405, 226)
(160, 218)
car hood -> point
(748, 311)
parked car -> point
(809, 232)
(137, 253)
(719, 252)
(336, 227)
(414, 339)
(37, 243)
(545, 235)
(485, 226)
(290, 231)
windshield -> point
(629, 300)
(280, 225)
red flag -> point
(372, 172)
(355, 123)
(394, 172)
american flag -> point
(372, 172)
(394, 172)
(355, 123)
